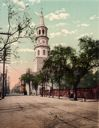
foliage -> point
(58, 64)
(18, 28)
(66, 64)
(27, 77)
(89, 80)
(35, 79)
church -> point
(41, 48)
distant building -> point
(17, 89)
(41, 48)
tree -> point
(84, 61)
(66, 62)
(43, 77)
(87, 59)
(58, 64)
(19, 27)
(36, 81)
(27, 78)
(89, 80)
(48, 68)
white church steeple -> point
(42, 48)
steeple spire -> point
(41, 23)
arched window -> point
(38, 52)
(39, 32)
(48, 53)
(43, 31)
(43, 52)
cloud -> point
(60, 24)
(83, 25)
(94, 17)
(63, 32)
(3, 4)
(20, 3)
(25, 50)
(85, 34)
(67, 32)
(54, 34)
(34, 1)
(57, 15)
(76, 21)
(37, 14)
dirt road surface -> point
(38, 112)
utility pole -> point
(6, 51)
(5, 59)
(3, 84)
(6, 81)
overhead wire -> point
(14, 69)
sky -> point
(67, 21)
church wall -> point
(40, 49)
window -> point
(43, 31)
(39, 32)
(38, 52)
(43, 52)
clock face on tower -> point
(43, 41)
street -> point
(44, 112)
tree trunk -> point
(36, 89)
(36, 92)
(29, 89)
(3, 84)
(59, 89)
(75, 93)
(42, 90)
(52, 89)
(75, 89)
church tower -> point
(41, 48)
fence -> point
(89, 93)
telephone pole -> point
(5, 60)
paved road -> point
(38, 112)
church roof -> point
(41, 21)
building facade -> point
(41, 48)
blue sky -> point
(67, 20)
